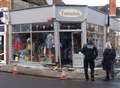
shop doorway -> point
(70, 43)
(2, 48)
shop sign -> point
(70, 13)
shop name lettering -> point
(70, 13)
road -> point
(23, 81)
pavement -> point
(37, 69)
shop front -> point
(36, 42)
(56, 35)
(47, 40)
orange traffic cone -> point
(63, 75)
(14, 70)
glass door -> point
(76, 48)
(76, 39)
(70, 44)
(66, 48)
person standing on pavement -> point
(108, 61)
(90, 52)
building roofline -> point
(42, 6)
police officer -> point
(90, 52)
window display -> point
(35, 42)
(33, 45)
(43, 47)
(42, 27)
(21, 47)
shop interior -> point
(69, 45)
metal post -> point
(31, 41)
(72, 43)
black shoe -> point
(87, 79)
(92, 79)
(112, 77)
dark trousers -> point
(110, 72)
(89, 63)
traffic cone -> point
(14, 70)
(63, 75)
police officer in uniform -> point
(90, 52)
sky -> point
(91, 2)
